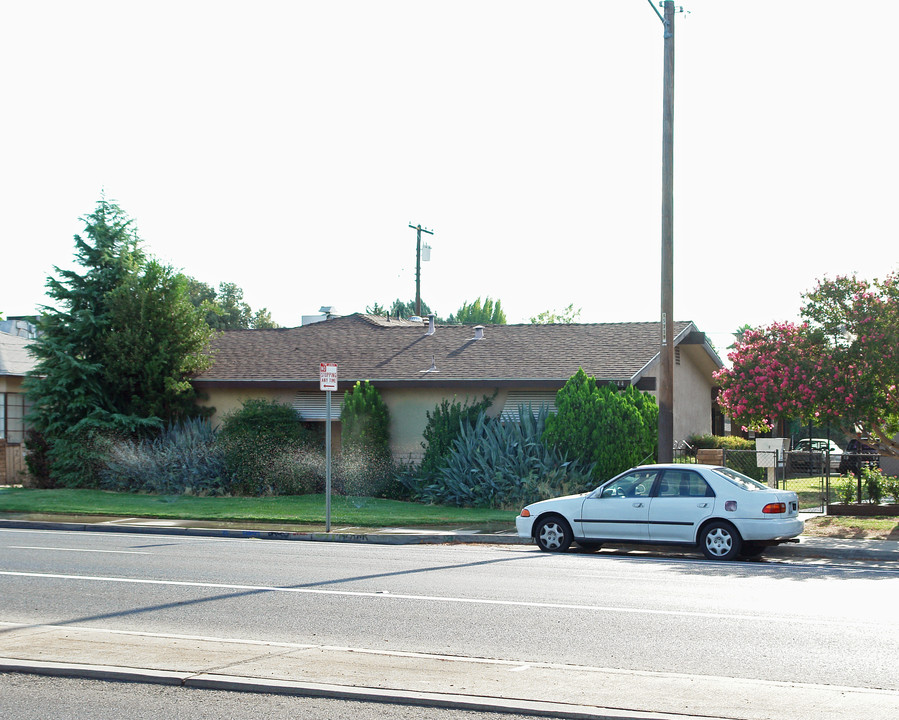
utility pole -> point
(418, 231)
(666, 353)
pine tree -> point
(114, 355)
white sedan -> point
(721, 511)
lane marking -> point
(511, 665)
(766, 618)
(87, 550)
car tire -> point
(553, 534)
(720, 541)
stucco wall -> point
(692, 396)
(409, 410)
(409, 406)
(692, 400)
(227, 399)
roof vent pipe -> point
(478, 332)
(430, 324)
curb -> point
(366, 538)
(234, 683)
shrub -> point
(365, 421)
(719, 442)
(874, 483)
(442, 429)
(845, 489)
(263, 444)
(38, 461)
(183, 459)
(614, 430)
(364, 439)
(504, 465)
(891, 487)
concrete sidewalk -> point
(809, 547)
(464, 683)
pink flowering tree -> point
(839, 367)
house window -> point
(12, 417)
(517, 398)
(311, 405)
(677, 356)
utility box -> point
(770, 453)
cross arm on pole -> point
(655, 10)
(420, 228)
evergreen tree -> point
(599, 424)
(155, 344)
(98, 349)
(365, 421)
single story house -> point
(416, 365)
(15, 363)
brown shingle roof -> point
(369, 348)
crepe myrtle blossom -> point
(840, 366)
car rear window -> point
(739, 479)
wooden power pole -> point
(418, 231)
(666, 355)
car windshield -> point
(739, 479)
(815, 445)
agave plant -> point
(504, 464)
(180, 459)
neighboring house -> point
(415, 366)
(15, 362)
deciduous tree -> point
(839, 367)
(476, 313)
(550, 317)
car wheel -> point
(720, 541)
(553, 534)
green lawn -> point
(301, 509)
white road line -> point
(87, 550)
(766, 619)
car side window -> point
(634, 484)
(684, 483)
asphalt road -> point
(809, 624)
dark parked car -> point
(809, 456)
(857, 456)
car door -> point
(619, 510)
(681, 501)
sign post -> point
(327, 381)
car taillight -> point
(772, 508)
(525, 513)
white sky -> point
(286, 146)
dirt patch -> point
(853, 528)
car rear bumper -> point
(773, 529)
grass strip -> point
(301, 509)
